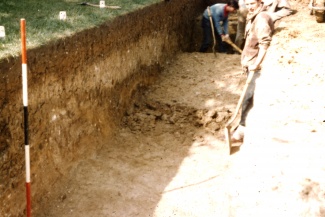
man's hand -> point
(225, 37)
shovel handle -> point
(241, 99)
(213, 33)
(239, 104)
(233, 45)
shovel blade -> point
(228, 138)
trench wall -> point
(79, 88)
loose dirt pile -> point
(169, 157)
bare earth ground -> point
(170, 159)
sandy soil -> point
(169, 157)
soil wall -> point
(79, 88)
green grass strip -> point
(43, 24)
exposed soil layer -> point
(79, 88)
(160, 151)
(169, 157)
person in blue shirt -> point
(219, 13)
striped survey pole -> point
(25, 103)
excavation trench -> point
(167, 157)
(81, 90)
(126, 119)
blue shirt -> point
(218, 15)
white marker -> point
(63, 15)
(2, 32)
(102, 4)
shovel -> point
(213, 34)
(227, 40)
(233, 117)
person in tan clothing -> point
(258, 34)
(241, 14)
(276, 8)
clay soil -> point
(169, 157)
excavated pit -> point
(82, 89)
(79, 90)
(127, 123)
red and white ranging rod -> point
(25, 104)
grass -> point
(43, 24)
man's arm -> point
(217, 26)
(264, 32)
(225, 26)
(225, 34)
(260, 56)
(279, 9)
(283, 12)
